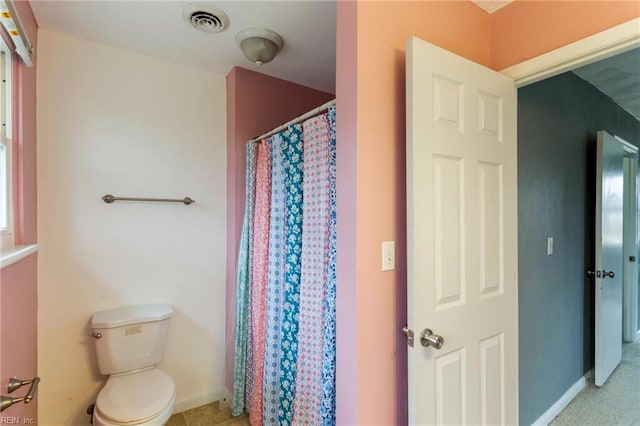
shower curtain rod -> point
(303, 117)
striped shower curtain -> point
(285, 328)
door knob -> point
(601, 274)
(427, 338)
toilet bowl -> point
(143, 398)
(130, 342)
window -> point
(6, 205)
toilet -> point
(130, 342)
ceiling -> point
(491, 5)
(158, 29)
(618, 77)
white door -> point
(462, 240)
(608, 281)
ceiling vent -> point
(206, 18)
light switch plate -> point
(388, 255)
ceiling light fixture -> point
(259, 45)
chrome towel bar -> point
(108, 198)
(7, 401)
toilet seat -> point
(136, 398)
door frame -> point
(607, 43)
(602, 45)
(596, 47)
(630, 332)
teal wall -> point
(557, 123)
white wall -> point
(111, 121)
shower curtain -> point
(285, 327)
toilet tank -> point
(132, 337)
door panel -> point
(448, 202)
(608, 288)
(461, 218)
(450, 388)
(492, 380)
(491, 228)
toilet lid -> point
(135, 397)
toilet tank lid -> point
(128, 315)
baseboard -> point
(226, 398)
(564, 400)
(590, 375)
(193, 401)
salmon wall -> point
(528, 28)
(372, 354)
(256, 103)
(18, 332)
(18, 281)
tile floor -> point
(209, 415)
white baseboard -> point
(226, 397)
(193, 401)
(564, 400)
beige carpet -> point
(615, 403)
